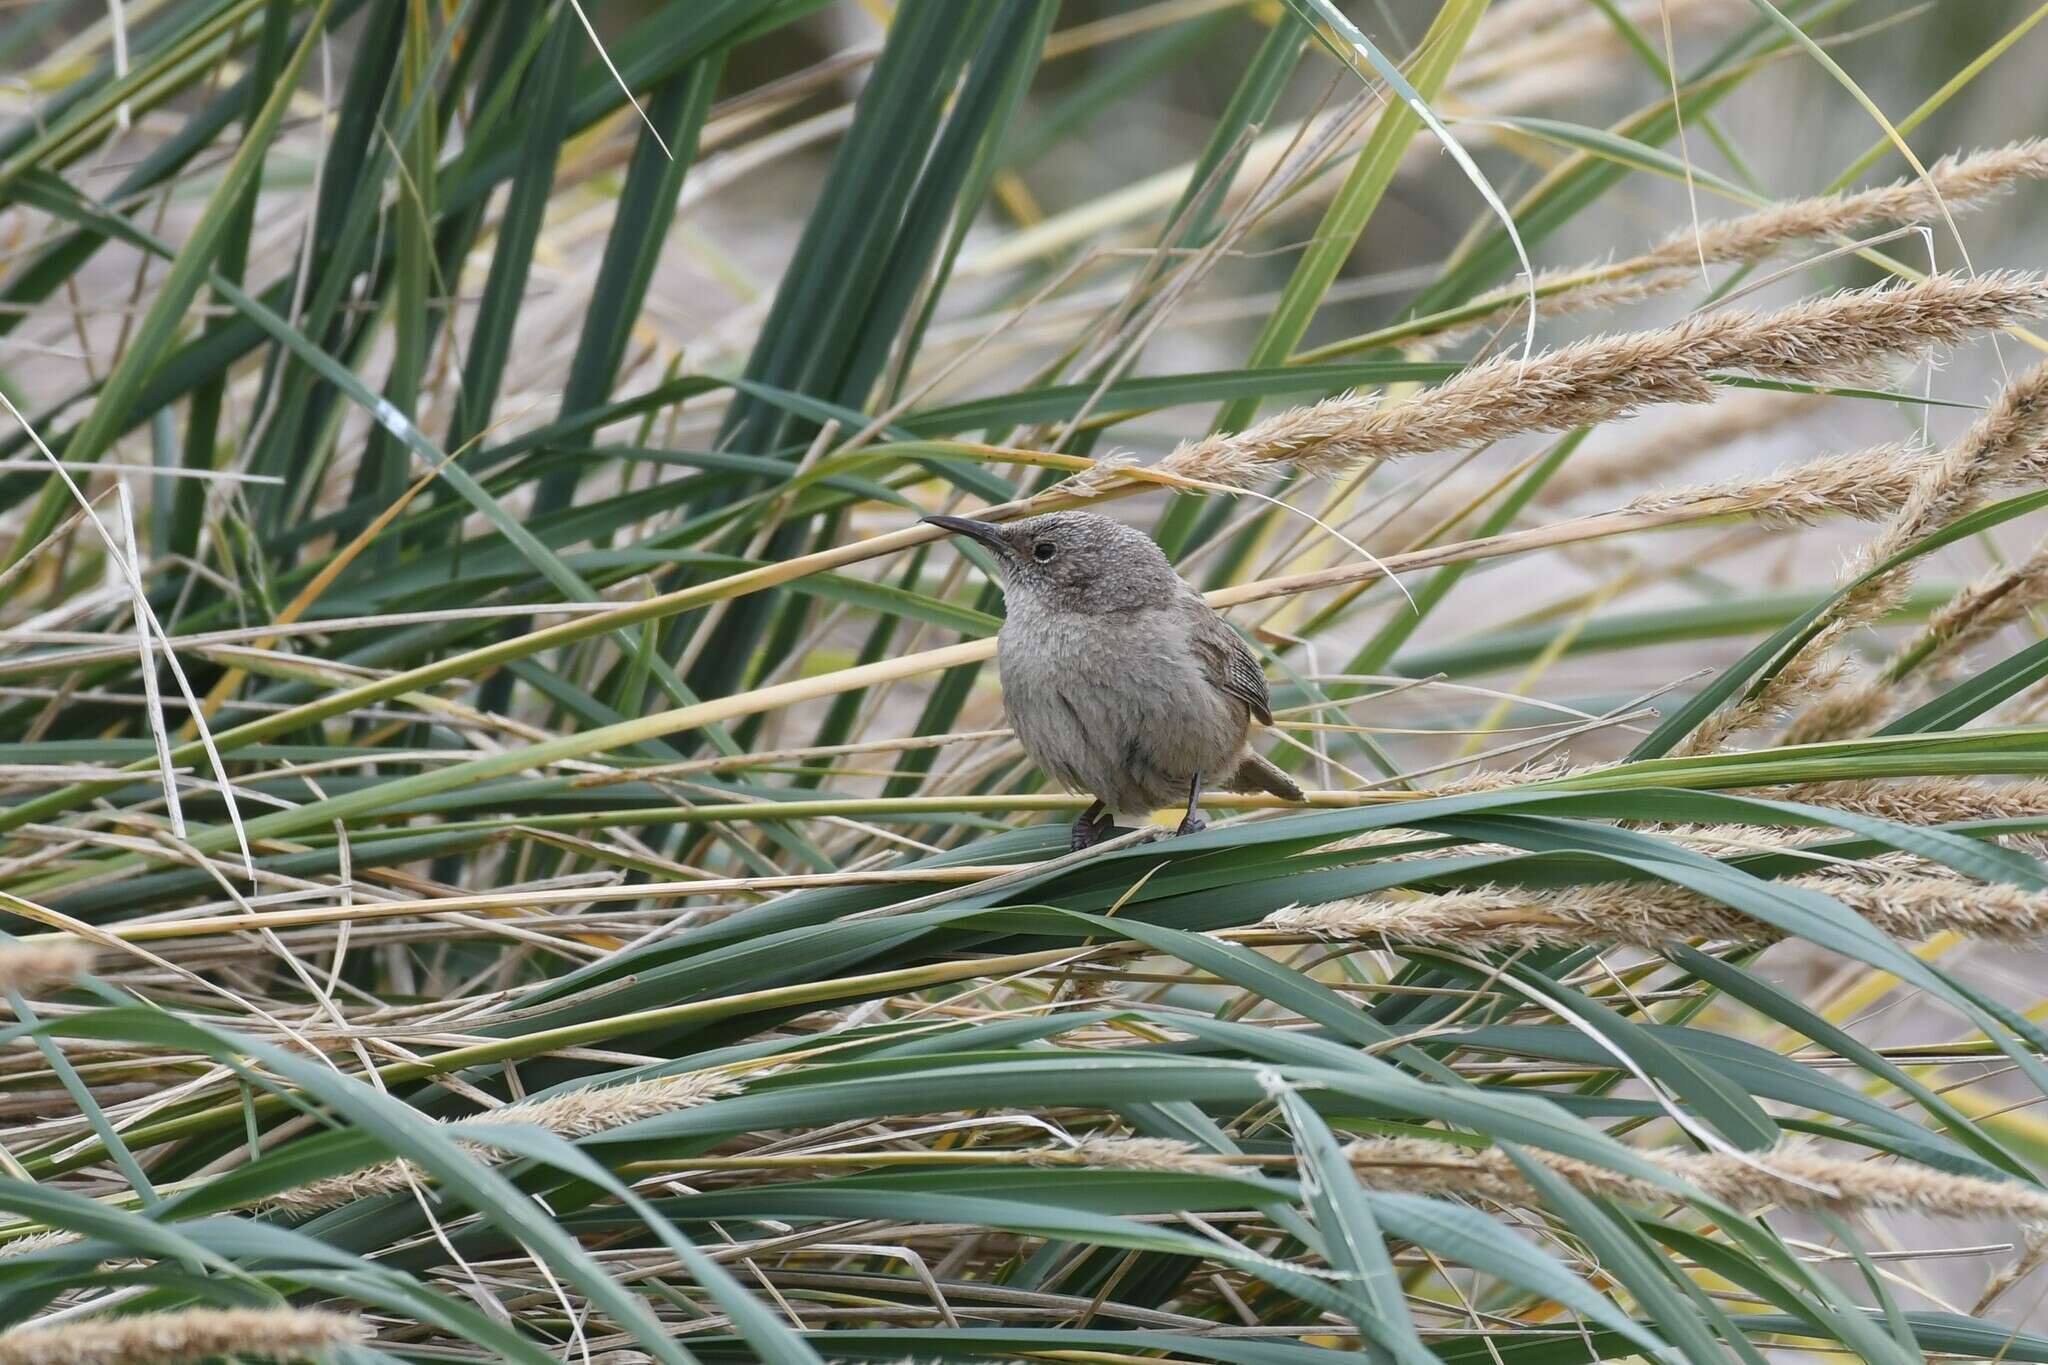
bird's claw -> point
(1088, 833)
(1194, 824)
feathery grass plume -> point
(1673, 444)
(2004, 444)
(1906, 800)
(1791, 1174)
(1922, 800)
(1667, 447)
(188, 1334)
(35, 968)
(1961, 182)
(36, 1241)
(1957, 180)
(579, 1113)
(1840, 337)
(1652, 914)
(2008, 436)
(1134, 1154)
(2033, 1251)
(1866, 485)
(1564, 291)
(1978, 611)
(1715, 841)
(1849, 702)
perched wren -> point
(1121, 681)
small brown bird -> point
(1121, 681)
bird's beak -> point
(985, 532)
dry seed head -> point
(1135, 1154)
(1934, 654)
(1665, 446)
(2004, 444)
(2033, 1251)
(1961, 182)
(190, 1334)
(580, 1113)
(599, 1109)
(1811, 674)
(2008, 443)
(36, 1241)
(1845, 335)
(1980, 610)
(1839, 710)
(1923, 800)
(1736, 414)
(1789, 1175)
(1867, 485)
(1562, 292)
(37, 968)
(1905, 800)
(1653, 914)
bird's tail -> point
(1255, 774)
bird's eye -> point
(1043, 551)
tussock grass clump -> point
(470, 659)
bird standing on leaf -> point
(1121, 682)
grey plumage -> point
(1121, 682)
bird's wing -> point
(1232, 668)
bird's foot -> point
(1090, 832)
(1194, 824)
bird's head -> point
(1074, 561)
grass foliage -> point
(506, 839)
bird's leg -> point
(1094, 823)
(1194, 824)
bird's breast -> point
(1117, 706)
